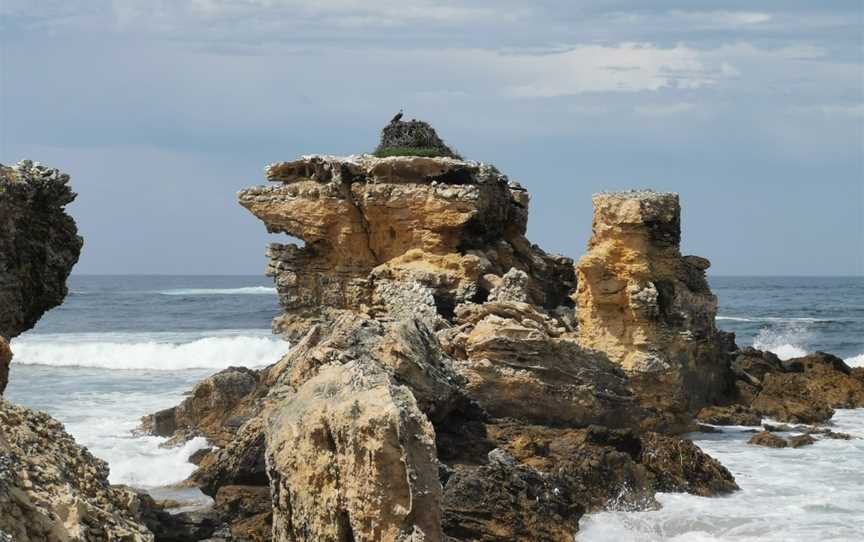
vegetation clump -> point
(411, 138)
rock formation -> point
(51, 489)
(437, 388)
(39, 244)
(371, 226)
(648, 307)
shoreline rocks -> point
(51, 489)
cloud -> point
(720, 19)
(833, 110)
(627, 67)
(664, 110)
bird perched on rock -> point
(397, 118)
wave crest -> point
(141, 353)
(247, 290)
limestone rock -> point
(351, 457)
(440, 222)
(214, 409)
(52, 490)
(39, 244)
(648, 307)
(516, 366)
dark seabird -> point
(397, 118)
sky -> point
(162, 109)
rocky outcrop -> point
(384, 235)
(39, 244)
(799, 390)
(437, 388)
(52, 490)
(648, 307)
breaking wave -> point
(787, 342)
(150, 351)
(772, 319)
(856, 361)
(248, 290)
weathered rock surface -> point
(648, 307)
(768, 439)
(799, 390)
(39, 244)
(448, 225)
(52, 490)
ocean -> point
(121, 347)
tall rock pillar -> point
(648, 307)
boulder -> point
(800, 440)
(735, 414)
(351, 457)
(788, 397)
(768, 439)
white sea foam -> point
(787, 342)
(856, 361)
(788, 495)
(772, 319)
(150, 351)
(248, 290)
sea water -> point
(123, 347)
(814, 493)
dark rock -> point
(198, 455)
(756, 364)
(768, 439)
(39, 245)
(504, 501)
(680, 465)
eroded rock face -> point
(648, 307)
(5, 360)
(52, 490)
(443, 223)
(39, 244)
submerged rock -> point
(766, 438)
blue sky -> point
(162, 109)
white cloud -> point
(627, 67)
(665, 110)
(833, 110)
(720, 19)
(353, 13)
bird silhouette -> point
(397, 118)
